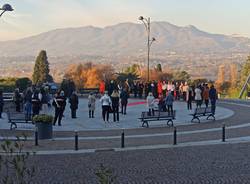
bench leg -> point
(195, 117)
(143, 124)
(11, 125)
(211, 115)
(172, 123)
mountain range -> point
(124, 39)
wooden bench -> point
(17, 117)
(158, 116)
(202, 111)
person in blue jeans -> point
(213, 97)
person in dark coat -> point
(17, 100)
(59, 103)
(1, 103)
(36, 102)
(73, 100)
(140, 89)
(28, 103)
(115, 105)
(213, 97)
(124, 101)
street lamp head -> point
(7, 7)
(141, 18)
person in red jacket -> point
(159, 88)
(102, 87)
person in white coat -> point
(106, 105)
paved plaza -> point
(129, 121)
(149, 155)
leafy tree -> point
(23, 83)
(132, 69)
(68, 86)
(181, 76)
(158, 68)
(245, 71)
(41, 69)
(122, 77)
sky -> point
(32, 17)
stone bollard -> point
(36, 136)
(76, 140)
(122, 139)
(223, 132)
(175, 136)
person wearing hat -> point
(59, 103)
(91, 105)
(73, 100)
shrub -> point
(43, 118)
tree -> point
(158, 68)
(23, 83)
(245, 71)
(181, 76)
(221, 75)
(233, 75)
(41, 69)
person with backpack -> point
(59, 103)
(36, 102)
(73, 101)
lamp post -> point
(5, 8)
(147, 23)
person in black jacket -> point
(115, 105)
(17, 100)
(1, 103)
(73, 100)
(59, 103)
(213, 97)
(36, 102)
(124, 101)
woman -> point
(73, 100)
(150, 103)
(91, 105)
(36, 102)
(189, 99)
(198, 97)
(115, 105)
(106, 103)
(124, 101)
(59, 103)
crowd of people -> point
(114, 99)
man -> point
(59, 103)
(213, 97)
(124, 101)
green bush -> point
(43, 118)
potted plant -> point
(44, 126)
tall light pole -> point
(5, 8)
(147, 23)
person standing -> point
(1, 103)
(115, 105)
(59, 103)
(189, 98)
(36, 102)
(106, 105)
(102, 87)
(198, 97)
(124, 101)
(73, 101)
(213, 97)
(150, 103)
(44, 100)
(28, 103)
(17, 100)
(141, 87)
(205, 95)
(91, 104)
(169, 100)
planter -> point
(45, 130)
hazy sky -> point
(35, 16)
